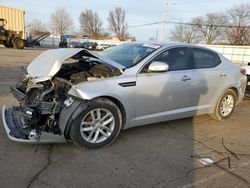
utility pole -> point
(164, 21)
(156, 34)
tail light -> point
(243, 71)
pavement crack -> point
(230, 172)
(198, 141)
(143, 171)
(215, 164)
(36, 176)
(186, 174)
(193, 169)
(231, 152)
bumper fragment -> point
(17, 93)
(10, 128)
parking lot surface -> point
(166, 154)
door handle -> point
(185, 78)
(222, 74)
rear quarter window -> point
(201, 59)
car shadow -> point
(165, 151)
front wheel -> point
(225, 106)
(18, 43)
(98, 125)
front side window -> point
(200, 59)
(175, 58)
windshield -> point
(129, 54)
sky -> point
(137, 12)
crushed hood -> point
(48, 63)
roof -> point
(8, 7)
(173, 44)
(162, 43)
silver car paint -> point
(144, 103)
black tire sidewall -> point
(75, 127)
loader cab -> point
(2, 30)
(3, 22)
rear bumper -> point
(10, 128)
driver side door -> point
(163, 95)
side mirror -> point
(158, 66)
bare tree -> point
(209, 27)
(239, 18)
(117, 23)
(91, 24)
(133, 38)
(36, 26)
(61, 21)
(184, 33)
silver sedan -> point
(86, 97)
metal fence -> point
(237, 54)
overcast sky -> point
(138, 11)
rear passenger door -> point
(207, 77)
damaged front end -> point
(45, 109)
(36, 118)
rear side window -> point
(201, 59)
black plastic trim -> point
(128, 84)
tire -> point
(84, 128)
(221, 113)
(247, 92)
(18, 43)
(7, 45)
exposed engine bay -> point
(42, 102)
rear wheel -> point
(225, 106)
(18, 43)
(98, 125)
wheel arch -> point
(230, 88)
(215, 115)
(235, 90)
(69, 114)
(119, 104)
(222, 93)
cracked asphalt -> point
(157, 155)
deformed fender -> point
(69, 114)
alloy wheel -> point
(227, 105)
(97, 125)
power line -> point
(208, 25)
(145, 24)
(188, 23)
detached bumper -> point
(13, 131)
